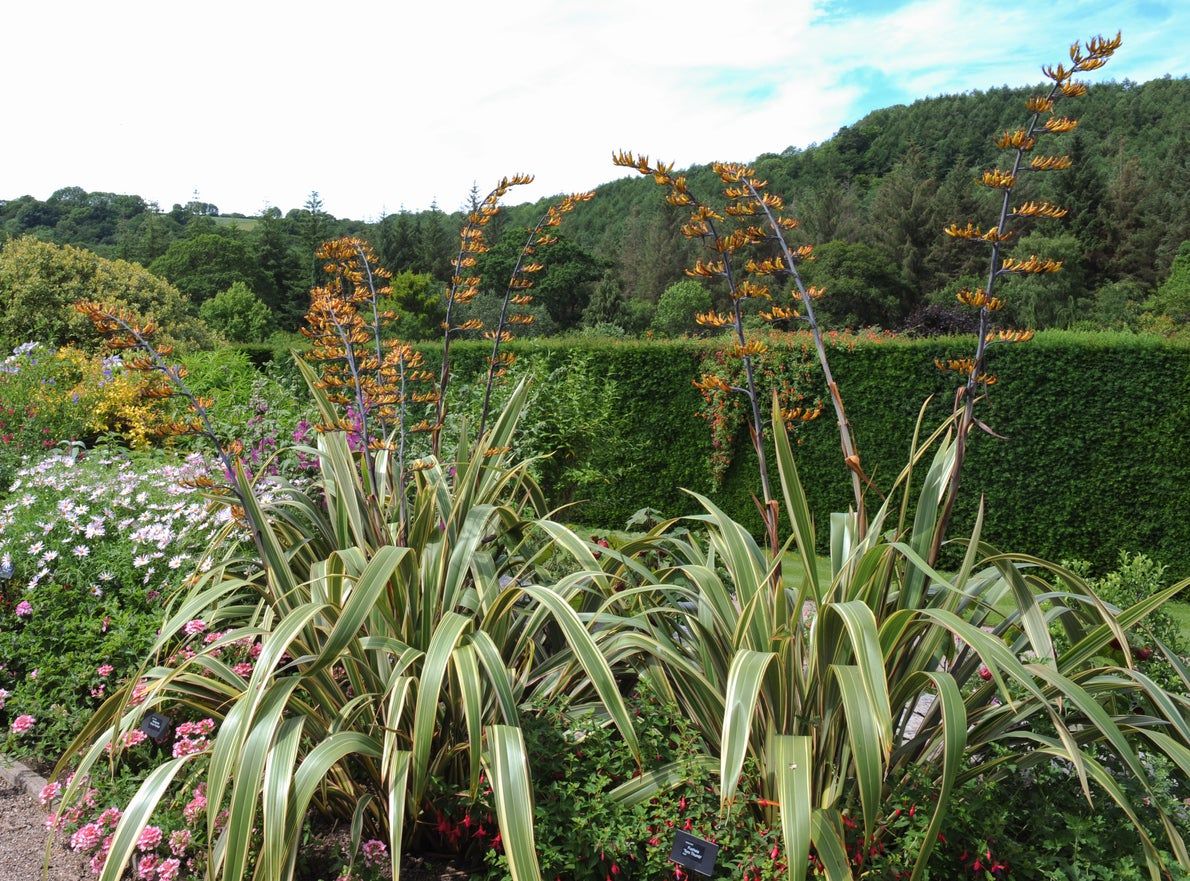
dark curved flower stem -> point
(173, 375)
(375, 325)
(520, 260)
(967, 391)
(360, 403)
(850, 454)
(769, 511)
(444, 374)
(402, 418)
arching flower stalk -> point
(123, 331)
(464, 287)
(1043, 120)
(363, 371)
(744, 187)
(520, 282)
(729, 248)
(338, 333)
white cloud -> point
(379, 105)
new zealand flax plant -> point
(1043, 121)
(840, 688)
(394, 647)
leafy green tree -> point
(678, 305)
(1172, 298)
(435, 245)
(1115, 306)
(607, 305)
(314, 229)
(417, 300)
(1082, 191)
(280, 261)
(397, 241)
(863, 286)
(1056, 299)
(201, 266)
(40, 282)
(238, 314)
(145, 237)
(906, 220)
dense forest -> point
(873, 199)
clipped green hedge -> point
(1097, 456)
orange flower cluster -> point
(361, 368)
(759, 223)
(122, 330)
(519, 282)
(464, 287)
(1083, 57)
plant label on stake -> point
(694, 853)
(157, 727)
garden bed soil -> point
(23, 839)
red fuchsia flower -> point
(23, 724)
(24, 609)
(984, 673)
(1144, 653)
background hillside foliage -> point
(873, 198)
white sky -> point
(382, 105)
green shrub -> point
(40, 283)
(238, 314)
(584, 833)
(678, 305)
(1096, 456)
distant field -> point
(244, 223)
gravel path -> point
(23, 839)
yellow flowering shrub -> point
(109, 396)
